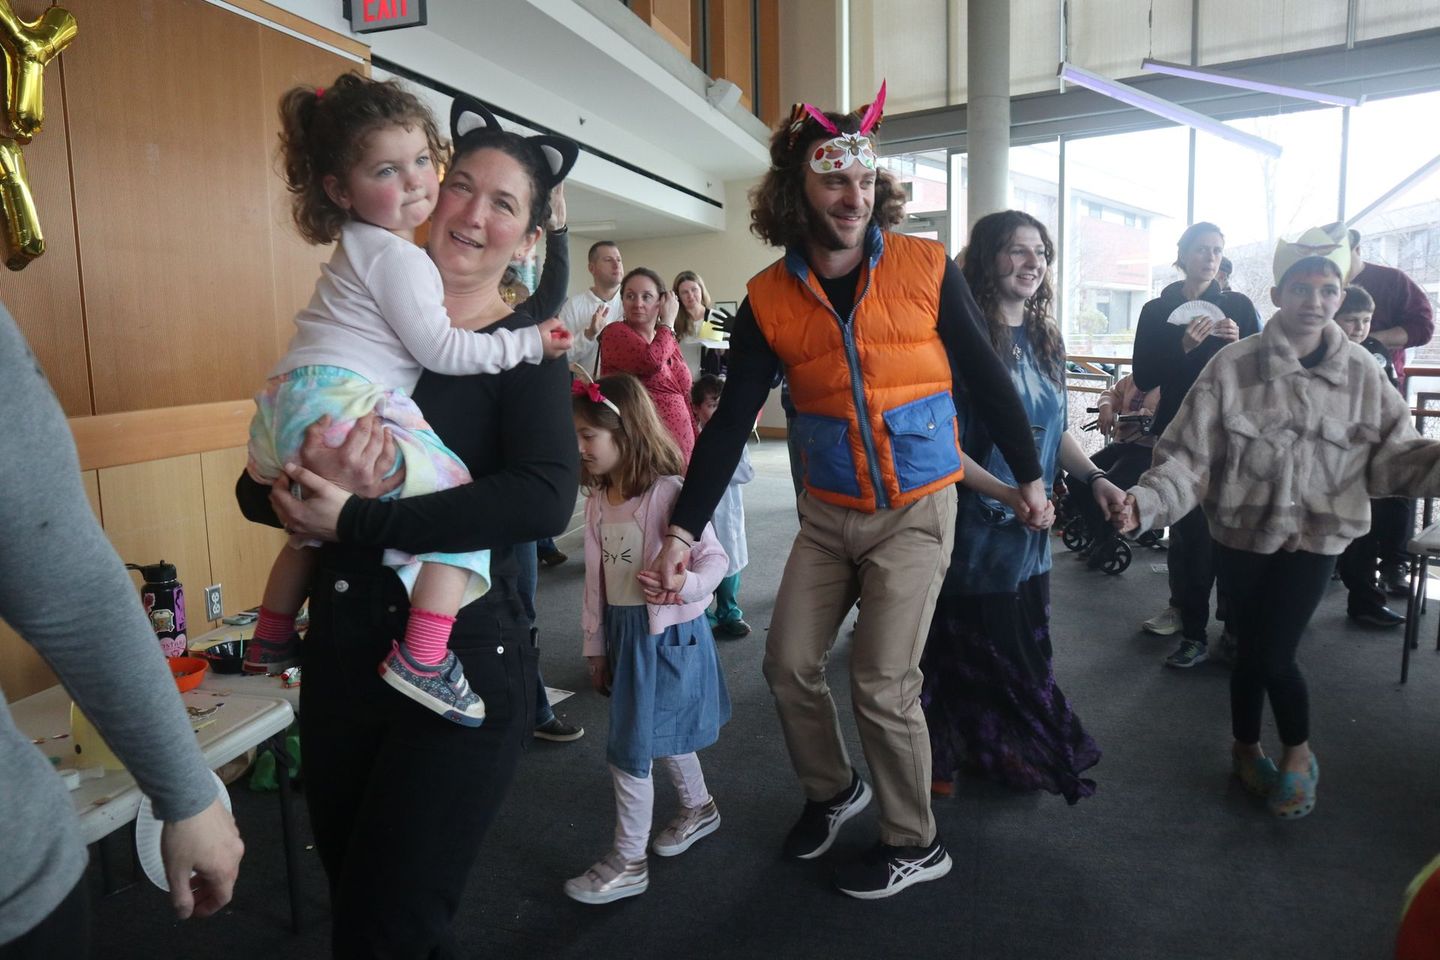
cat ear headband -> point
(842, 149)
(468, 115)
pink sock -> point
(274, 629)
(427, 635)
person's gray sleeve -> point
(63, 589)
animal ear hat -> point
(470, 118)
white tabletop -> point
(1428, 542)
(105, 804)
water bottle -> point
(164, 600)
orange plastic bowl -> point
(188, 671)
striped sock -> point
(427, 635)
(274, 629)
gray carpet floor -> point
(1169, 858)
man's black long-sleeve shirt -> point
(753, 366)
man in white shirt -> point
(586, 314)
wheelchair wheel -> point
(1074, 535)
(1116, 557)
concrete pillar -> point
(987, 141)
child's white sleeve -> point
(410, 296)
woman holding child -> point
(400, 799)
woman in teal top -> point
(990, 697)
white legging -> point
(635, 800)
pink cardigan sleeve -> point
(591, 623)
(708, 563)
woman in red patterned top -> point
(645, 346)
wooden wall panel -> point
(22, 672)
(171, 193)
(730, 38)
(295, 264)
(669, 18)
(44, 298)
(156, 511)
(768, 34)
(241, 552)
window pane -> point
(923, 177)
(1404, 232)
(903, 42)
(1385, 18)
(1111, 37)
(1256, 200)
(1241, 29)
(1122, 221)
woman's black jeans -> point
(399, 798)
(1272, 597)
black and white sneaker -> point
(884, 871)
(820, 821)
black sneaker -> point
(557, 730)
(820, 821)
(1394, 580)
(884, 871)
(1381, 616)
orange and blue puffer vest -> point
(875, 418)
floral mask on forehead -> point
(842, 150)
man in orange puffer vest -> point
(874, 331)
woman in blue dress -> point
(990, 696)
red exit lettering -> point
(378, 10)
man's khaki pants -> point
(893, 561)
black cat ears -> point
(469, 116)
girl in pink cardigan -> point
(649, 650)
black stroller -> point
(1109, 551)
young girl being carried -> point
(649, 650)
(360, 162)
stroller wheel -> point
(1117, 557)
(1074, 535)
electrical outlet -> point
(214, 608)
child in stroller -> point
(1124, 413)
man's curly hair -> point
(779, 213)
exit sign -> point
(371, 16)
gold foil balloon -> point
(23, 239)
(28, 46)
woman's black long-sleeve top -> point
(1160, 357)
(515, 433)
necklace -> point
(1015, 349)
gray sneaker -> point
(608, 879)
(1191, 652)
(441, 687)
(692, 824)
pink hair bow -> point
(591, 391)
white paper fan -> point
(1194, 309)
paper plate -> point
(147, 837)
(1192, 309)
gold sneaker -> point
(692, 824)
(610, 878)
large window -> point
(1124, 208)
(1256, 200)
(1404, 231)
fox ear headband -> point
(469, 116)
(842, 149)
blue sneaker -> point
(1258, 774)
(1190, 653)
(1294, 793)
(441, 687)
